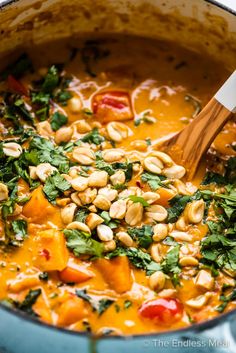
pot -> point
(204, 26)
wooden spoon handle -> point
(188, 146)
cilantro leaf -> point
(220, 250)
(170, 264)
(81, 215)
(143, 235)
(138, 258)
(29, 301)
(93, 137)
(139, 199)
(58, 120)
(63, 96)
(226, 300)
(51, 80)
(154, 181)
(54, 186)
(100, 307)
(19, 227)
(81, 243)
(178, 204)
(42, 150)
(103, 305)
(82, 293)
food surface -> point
(100, 230)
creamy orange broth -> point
(157, 75)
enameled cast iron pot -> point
(204, 26)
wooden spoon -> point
(189, 145)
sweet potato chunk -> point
(116, 272)
(71, 311)
(51, 253)
(38, 207)
(165, 196)
(74, 274)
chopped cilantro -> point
(81, 215)
(57, 120)
(81, 243)
(138, 258)
(127, 304)
(139, 199)
(99, 306)
(154, 181)
(112, 223)
(51, 80)
(43, 276)
(170, 265)
(42, 150)
(103, 305)
(143, 235)
(63, 96)
(19, 227)
(28, 302)
(178, 204)
(54, 186)
(93, 137)
(226, 299)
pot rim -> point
(194, 328)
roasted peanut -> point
(109, 245)
(125, 238)
(118, 209)
(68, 212)
(110, 194)
(12, 149)
(44, 170)
(118, 131)
(155, 253)
(104, 232)
(188, 261)
(150, 197)
(180, 236)
(157, 281)
(195, 211)
(118, 178)
(3, 192)
(79, 226)
(153, 164)
(157, 213)
(79, 183)
(102, 202)
(93, 220)
(75, 105)
(64, 134)
(134, 214)
(98, 179)
(174, 172)
(83, 155)
(160, 232)
(113, 155)
(87, 196)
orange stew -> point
(100, 231)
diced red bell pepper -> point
(112, 106)
(163, 310)
(16, 86)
